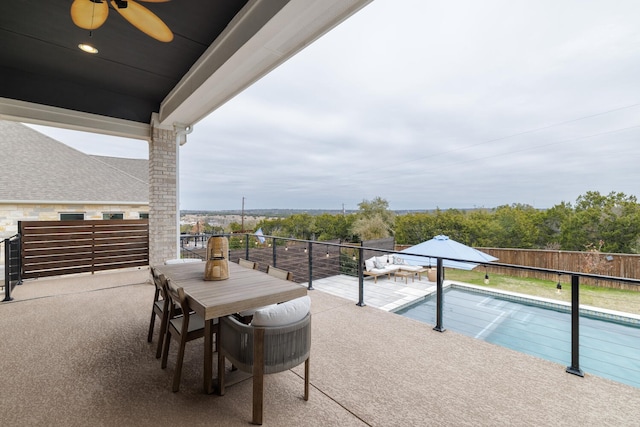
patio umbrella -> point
(443, 247)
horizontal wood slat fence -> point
(606, 264)
(53, 248)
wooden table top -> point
(244, 289)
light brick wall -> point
(163, 231)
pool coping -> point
(585, 310)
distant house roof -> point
(38, 168)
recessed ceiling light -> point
(87, 48)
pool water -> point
(607, 349)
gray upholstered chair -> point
(263, 350)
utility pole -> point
(242, 220)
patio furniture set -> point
(386, 265)
(190, 307)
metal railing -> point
(310, 259)
(12, 264)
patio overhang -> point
(135, 81)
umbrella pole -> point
(439, 299)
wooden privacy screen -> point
(53, 248)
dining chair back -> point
(247, 264)
(280, 273)
(181, 327)
(158, 303)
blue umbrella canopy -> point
(443, 247)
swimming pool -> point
(607, 349)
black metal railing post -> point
(360, 276)
(273, 243)
(7, 271)
(439, 299)
(310, 253)
(12, 265)
(575, 327)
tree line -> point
(607, 223)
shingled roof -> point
(36, 168)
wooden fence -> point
(53, 248)
(605, 264)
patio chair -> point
(262, 349)
(156, 308)
(247, 264)
(183, 328)
(159, 308)
(280, 273)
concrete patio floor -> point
(74, 353)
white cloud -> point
(431, 104)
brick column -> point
(163, 228)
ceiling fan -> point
(91, 14)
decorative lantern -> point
(217, 267)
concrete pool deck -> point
(385, 294)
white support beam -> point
(27, 112)
(261, 37)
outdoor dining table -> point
(244, 289)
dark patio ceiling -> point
(219, 47)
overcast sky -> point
(449, 104)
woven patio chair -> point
(263, 350)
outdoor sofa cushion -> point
(388, 264)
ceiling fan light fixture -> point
(87, 48)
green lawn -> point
(612, 299)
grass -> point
(596, 296)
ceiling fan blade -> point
(145, 20)
(89, 15)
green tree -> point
(613, 219)
(480, 228)
(516, 226)
(272, 227)
(451, 223)
(370, 228)
(374, 220)
(413, 228)
(551, 224)
(300, 226)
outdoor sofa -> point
(384, 265)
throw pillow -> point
(369, 264)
